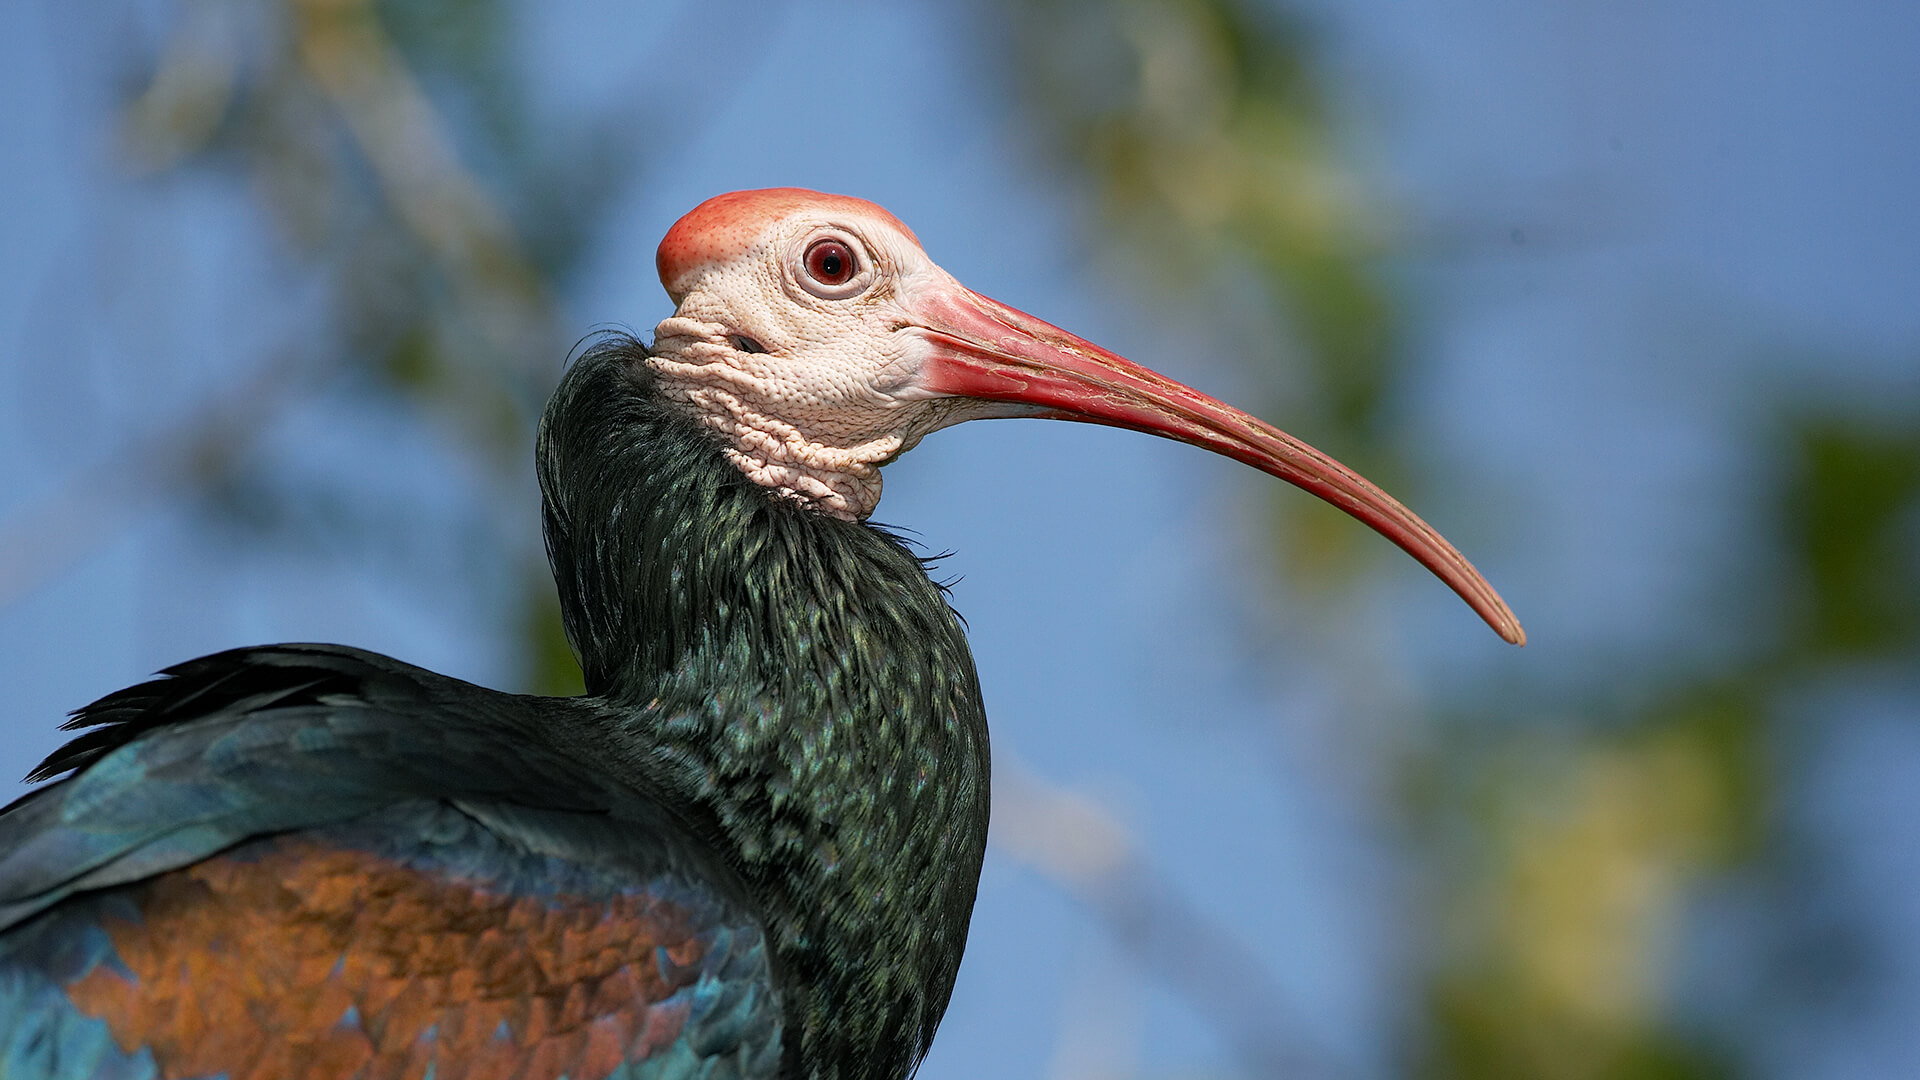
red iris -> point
(830, 262)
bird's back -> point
(309, 861)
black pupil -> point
(831, 263)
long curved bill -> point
(985, 350)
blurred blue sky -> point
(1622, 222)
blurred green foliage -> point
(1569, 853)
(390, 145)
(1564, 852)
(1203, 128)
(1849, 518)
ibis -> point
(749, 850)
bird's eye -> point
(831, 262)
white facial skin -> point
(834, 395)
(817, 378)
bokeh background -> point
(1625, 298)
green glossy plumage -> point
(825, 730)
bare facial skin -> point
(815, 335)
(809, 367)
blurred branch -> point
(190, 92)
(403, 138)
(410, 152)
(1071, 841)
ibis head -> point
(814, 333)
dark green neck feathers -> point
(796, 687)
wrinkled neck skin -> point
(834, 467)
(815, 433)
(789, 681)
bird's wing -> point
(314, 861)
(257, 741)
